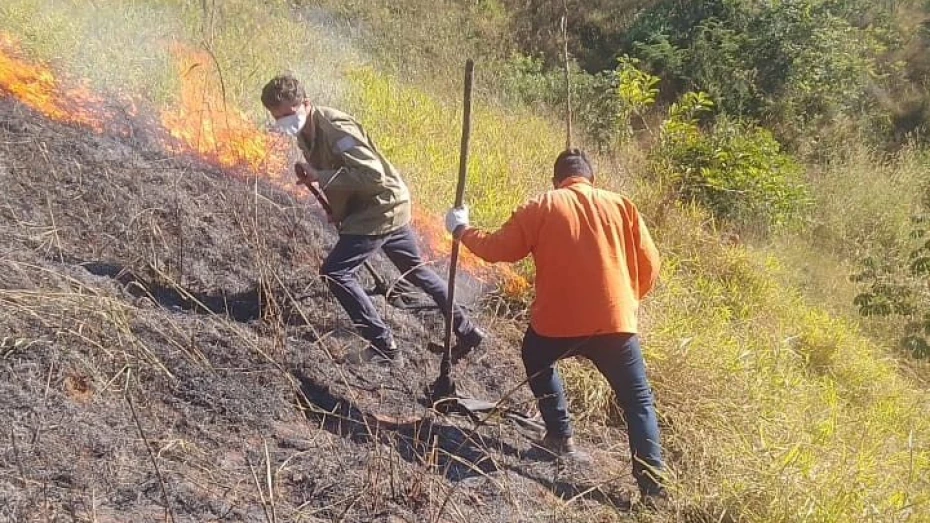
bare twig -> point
(598, 486)
(180, 224)
(48, 382)
(93, 504)
(568, 78)
(270, 481)
(169, 513)
(261, 492)
(51, 214)
(351, 505)
(19, 461)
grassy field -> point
(776, 403)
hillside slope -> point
(132, 281)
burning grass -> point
(35, 85)
(205, 122)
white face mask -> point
(292, 124)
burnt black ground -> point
(130, 277)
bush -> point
(796, 64)
(736, 170)
(896, 288)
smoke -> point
(125, 48)
(329, 54)
(116, 50)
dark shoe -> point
(467, 343)
(472, 338)
(562, 448)
(559, 445)
(389, 355)
(655, 500)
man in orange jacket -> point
(595, 261)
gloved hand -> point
(455, 218)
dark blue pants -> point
(401, 248)
(619, 359)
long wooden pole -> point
(568, 80)
(445, 368)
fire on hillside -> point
(203, 123)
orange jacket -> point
(594, 258)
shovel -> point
(443, 389)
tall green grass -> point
(773, 408)
(866, 199)
(510, 153)
(778, 411)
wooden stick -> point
(169, 513)
(446, 366)
(568, 79)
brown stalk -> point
(169, 513)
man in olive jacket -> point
(370, 206)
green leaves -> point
(736, 170)
(690, 107)
(793, 64)
(897, 286)
(636, 89)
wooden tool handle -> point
(466, 133)
(446, 367)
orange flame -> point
(37, 87)
(439, 245)
(204, 123)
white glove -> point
(455, 218)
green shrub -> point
(896, 288)
(598, 112)
(736, 170)
(609, 106)
(797, 65)
(636, 92)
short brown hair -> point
(283, 89)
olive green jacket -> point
(365, 191)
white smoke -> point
(126, 47)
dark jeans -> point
(401, 248)
(619, 359)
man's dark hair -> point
(283, 89)
(573, 162)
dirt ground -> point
(168, 353)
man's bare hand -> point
(306, 174)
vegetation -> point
(798, 66)
(793, 127)
(895, 287)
